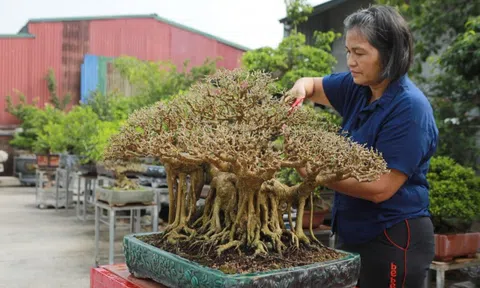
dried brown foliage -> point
(233, 122)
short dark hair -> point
(387, 31)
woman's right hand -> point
(296, 95)
(307, 88)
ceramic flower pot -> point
(146, 261)
(450, 246)
(118, 197)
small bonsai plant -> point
(124, 189)
(233, 122)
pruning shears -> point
(298, 102)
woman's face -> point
(363, 59)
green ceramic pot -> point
(146, 261)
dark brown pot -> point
(42, 160)
(318, 217)
(451, 246)
(53, 160)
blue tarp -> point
(89, 77)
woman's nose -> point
(351, 62)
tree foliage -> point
(294, 58)
(447, 39)
(157, 80)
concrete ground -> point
(45, 248)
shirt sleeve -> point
(404, 142)
(339, 89)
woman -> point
(386, 221)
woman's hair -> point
(387, 31)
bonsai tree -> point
(233, 123)
(121, 170)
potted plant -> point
(231, 121)
(454, 205)
(35, 131)
(51, 140)
(80, 126)
(124, 190)
(38, 123)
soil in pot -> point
(232, 262)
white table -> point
(442, 267)
(111, 222)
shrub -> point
(454, 195)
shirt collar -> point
(393, 88)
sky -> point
(251, 23)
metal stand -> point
(88, 196)
(65, 175)
(134, 223)
(44, 189)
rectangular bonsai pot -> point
(123, 197)
(146, 261)
(452, 246)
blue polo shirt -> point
(401, 126)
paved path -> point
(44, 248)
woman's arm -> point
(311, 88)
(376, 191)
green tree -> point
(294, 58)
(447, 38)
(160, 80)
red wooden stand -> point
(117, 276)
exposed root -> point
(295, 241)
(260, 248)
(174, 236)
(276, 238)
(232, 244)
(311, 222)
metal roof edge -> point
(181, 26)
(133, 16)
(18, 35)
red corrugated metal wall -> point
(147, 39)
(24, 62)
(14, 71)
(46, 53)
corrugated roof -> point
(320, 8)
(18, 35)
(153, 16)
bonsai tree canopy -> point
(233, 122)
